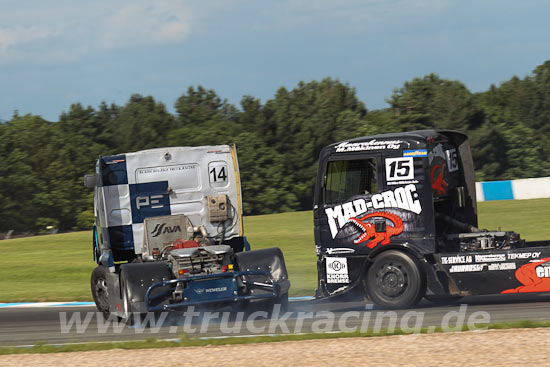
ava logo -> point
(368, 231)
(199, 290)
(535, 277)
(162, 228)
(438, 183)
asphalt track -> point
(28, 326)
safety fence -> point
(528, 188)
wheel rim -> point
(392, 279)
(102, 292)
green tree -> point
(142, 123)
(299, 123)
(432, 102)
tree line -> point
(278, 142)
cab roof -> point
(396, 141)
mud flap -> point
(271, 261)
(113, 286)
(138, 277)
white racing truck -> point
(168, 234)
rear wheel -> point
(100, 290)
(395, 280)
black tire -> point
(395, 280)
(100, 291)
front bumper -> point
(211, 288)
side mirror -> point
(90, 181)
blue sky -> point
(59, 52)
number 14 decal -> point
(218, 174)
(401, 168)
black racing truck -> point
(169, 233)
(395, 218)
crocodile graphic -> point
(368, 231)
(438, 183)
(533, 277)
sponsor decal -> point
(368, 145)
(162, 228)
(153, 201)
(341, 250)
(490, 258)
(543, 271)
(405, 182)
(166, 169)
(415, 153)
(458, 259)
(368, 231)
(214, 290)
(534, 277)
(337, 270)
(463, 263)
(210, 290)
(466, 268)
(502, 266)
(405, 198)
(150, 199)
(438, 183)
(523, 255)
(436, 152)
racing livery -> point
(395, 219)
(169, 233)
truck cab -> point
(169, 233)
(394, 213)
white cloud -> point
(66, 30)
(358, 13)
(145, 23)
(74, 28)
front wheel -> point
(100, 290)
(395, 280)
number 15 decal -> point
(401, 168)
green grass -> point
(46, 268)
(185, 341)
(58, 267)
(293, 233)
(530, 218)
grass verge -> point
(185, 341)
